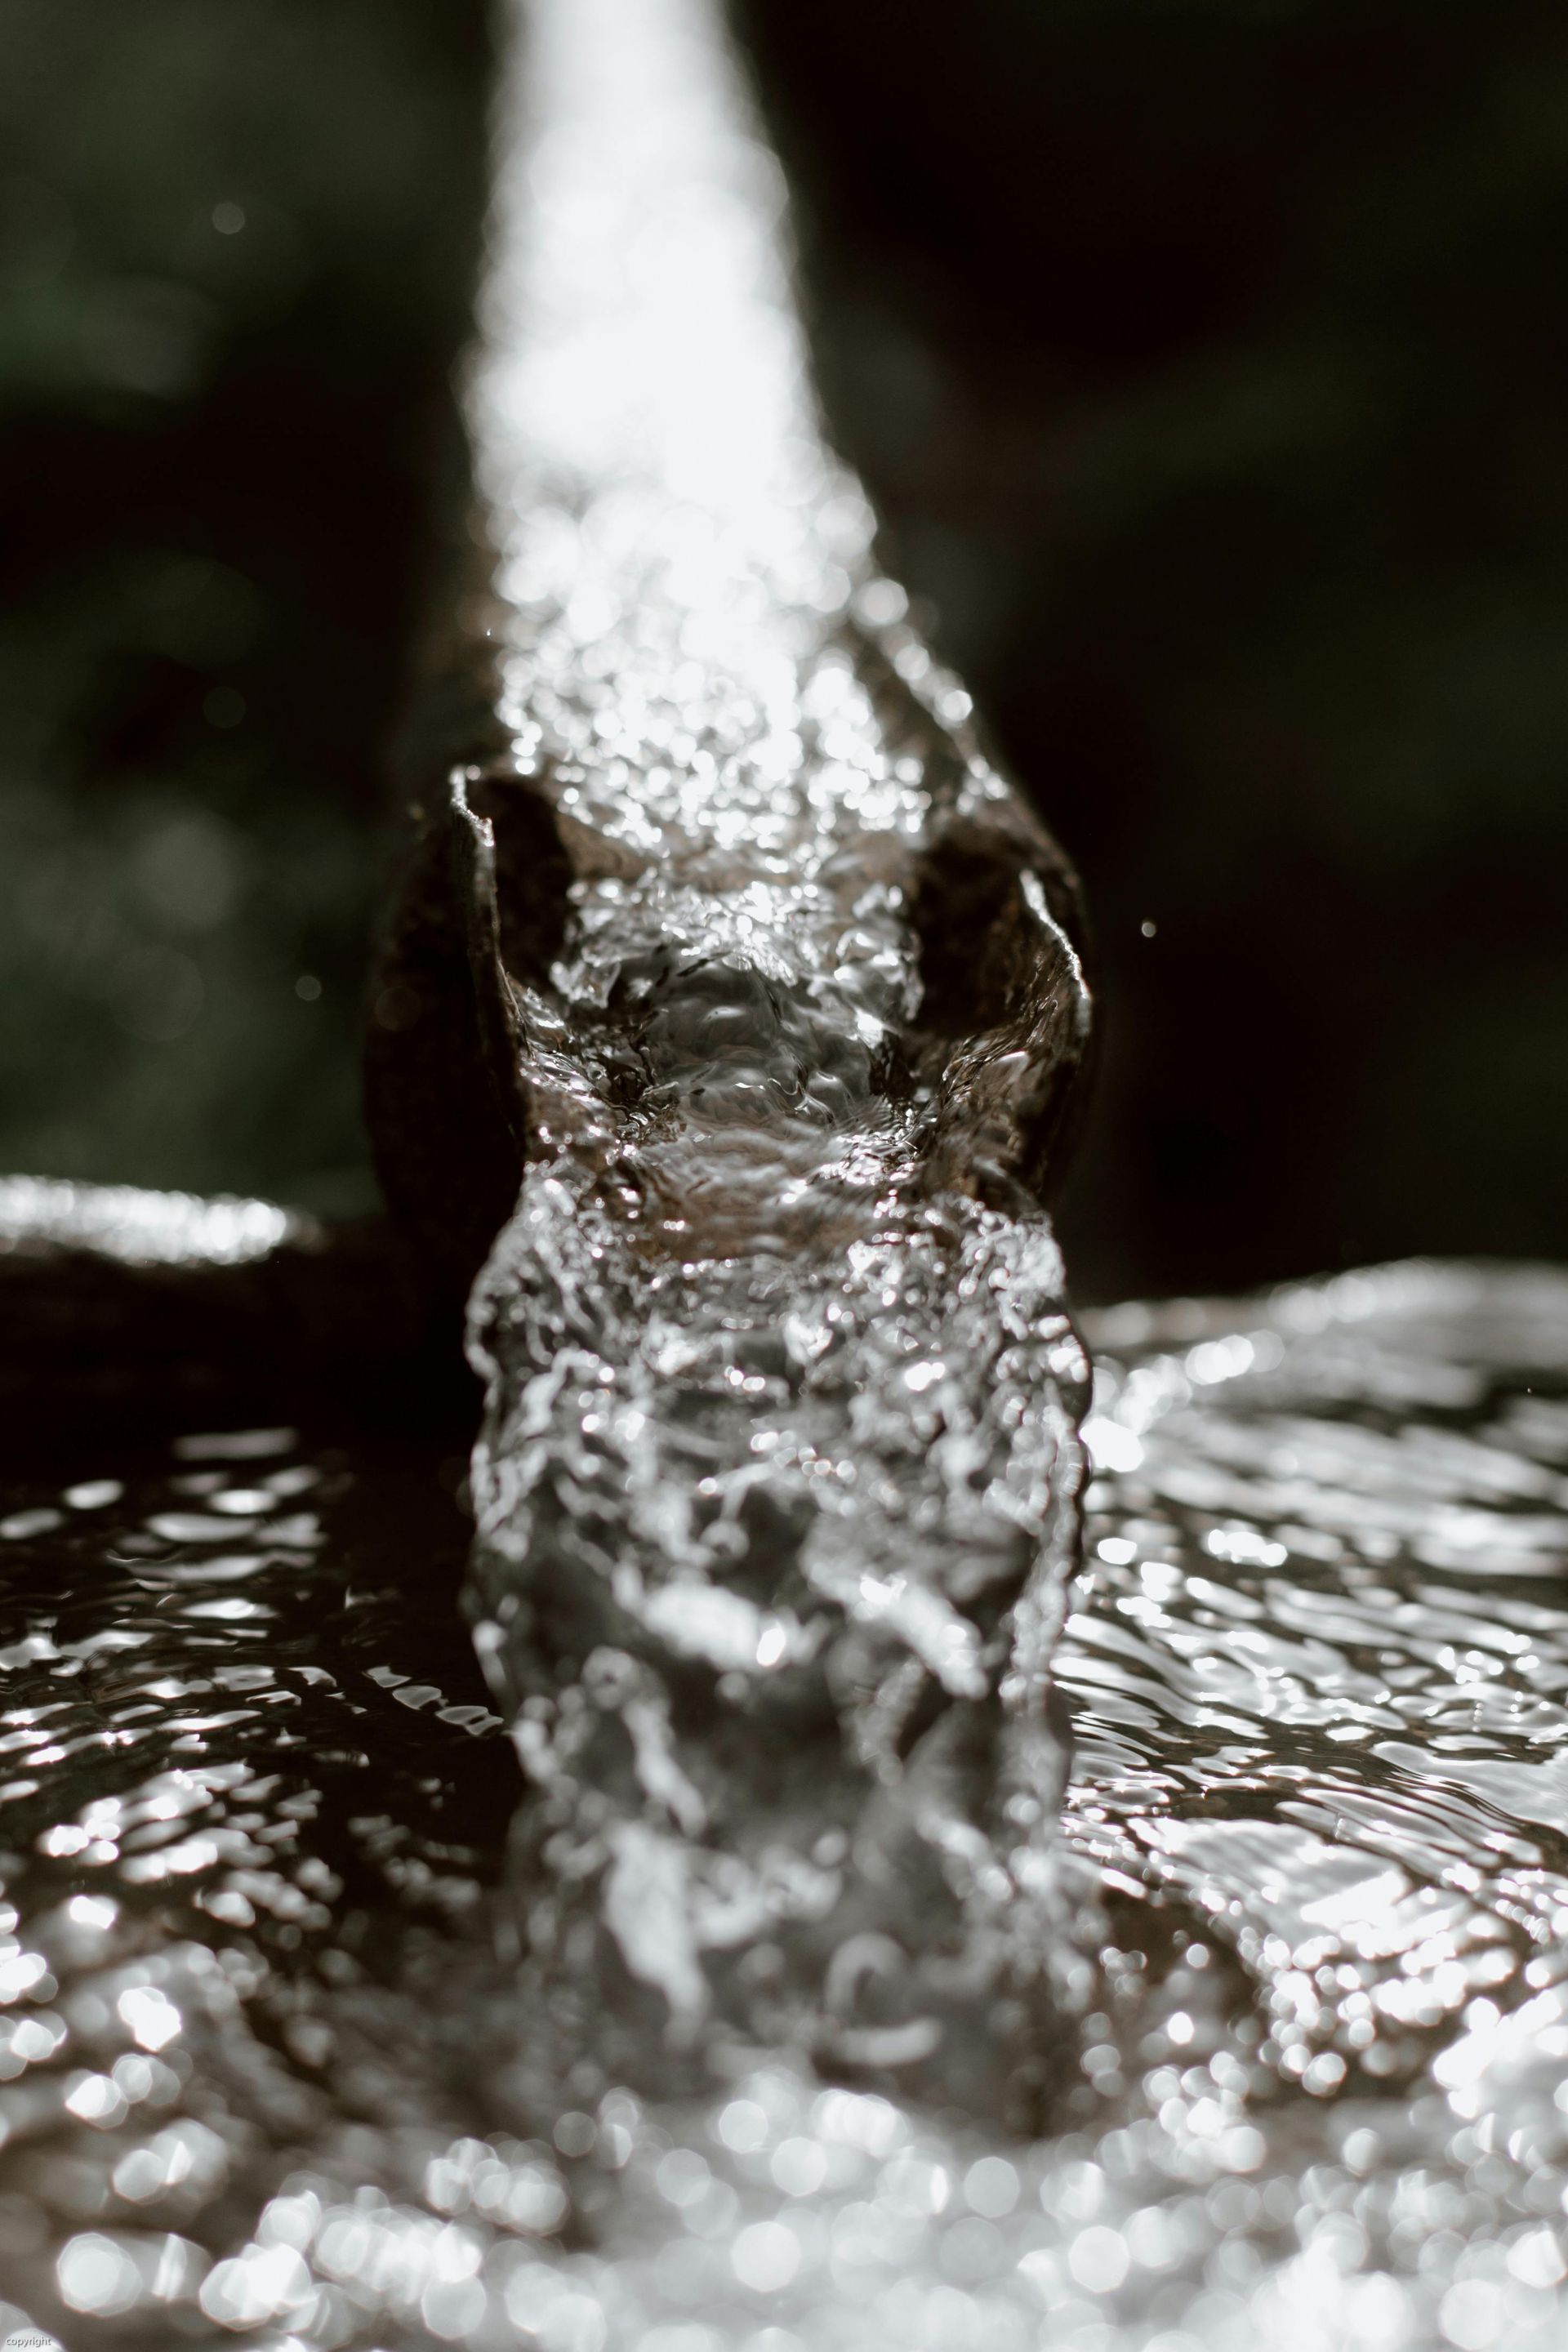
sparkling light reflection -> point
(140, 1228)
(1289, 1898)
(779, 1382)
(262, 2069)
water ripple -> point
(261, 2071)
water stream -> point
(264, 2074)
(721, 1867)
(777, 1489)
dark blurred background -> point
(1208, 361)
(236, 253)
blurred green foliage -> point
(237, 241)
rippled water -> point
(263, 2071)
(790, 1998)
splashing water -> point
(262, 2073)
(791, 2003)
(777, 1489)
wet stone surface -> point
(264, 2076)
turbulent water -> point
(619, 1891)
(776, 1494)
(264, 2074)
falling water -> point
(776, 1490)
(734, 1969)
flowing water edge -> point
(776, 1487)
(264, 2076)
(733, 1962)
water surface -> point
(264, 2080)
